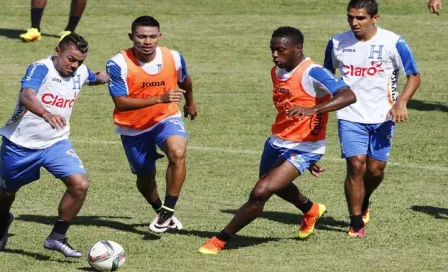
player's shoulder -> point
(388, 36)
(117, 59)
(47, 63)
(342, 36)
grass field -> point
(226, 46)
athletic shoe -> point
(64, 33)
(366, 216)
(212, 246)
(309, 220)
(163, 222)
(62, 246)
(5, 235)
(353, 234)
(31, 35)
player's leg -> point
(37, 10)
(62, 161)
(171, 138)
(147, 186)
(77, 8)
(275, 180)
(377, 157)
(18, 167)
(354, 138)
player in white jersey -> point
(369, 59)
(37, 136)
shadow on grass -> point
(98, 221)
(87, 268)
(438, 213)
(37, 256)
(427, 106)
(15, 33)
(324, 223)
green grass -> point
(225, 43)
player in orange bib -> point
(303, 94)
(147, 83)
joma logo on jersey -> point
(281, 90)
(350, 70)
(348, 50)
(57, 101)
(152, 84)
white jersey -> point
(117, 69)
(56, 93)
(371, 70)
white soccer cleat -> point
(161, 224)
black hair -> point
(75, 40)
(371, 6)
(293, 34)
(144, 21)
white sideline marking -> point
(253, 152)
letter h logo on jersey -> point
(374, 51)
(77, 82)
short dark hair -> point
(291, 33)
(144, 21)
(75, 40)
(371, 6)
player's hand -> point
(56, 121)
(300, 112)
(170, 96)
(102, 77)
(191, 109)
(434, 6)
(315, 169)
(399, 112)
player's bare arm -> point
(341, 98)
(190, 107)
(126, 103)
(101, 78)
(435, 6)
(29, 100)
(399, 111)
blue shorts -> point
(20, 166)
(141, 149)
(299, 159)
(373, 140)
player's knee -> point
(376, 172)
(355, 166)
(79, 187)
(260, 194)
(177, 155)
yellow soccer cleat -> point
(64, 33)
(212, 246)
(353, 234)
(309, 220)
(31, 35)
(366, 217)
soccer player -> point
(369, 59)
(147, 83)
(37, 136)
(37, 9)
(435, 6)
(303, 94)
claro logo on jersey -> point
(351, 70)
(57, 101)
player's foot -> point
(4, 237)
(212, 246)
(164, 221)
(62, 246)
(309, 220)
(353, 234)
(31, 35)
(366, 216)
(64, 33)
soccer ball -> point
(106, 256)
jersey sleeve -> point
(325, 80)
(34, 76)
(405, 59)
(91, 78)
(181, 66)
(118, 73)
(329, 61)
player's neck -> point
(295, 64)
(369, 35)
(145, 58)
